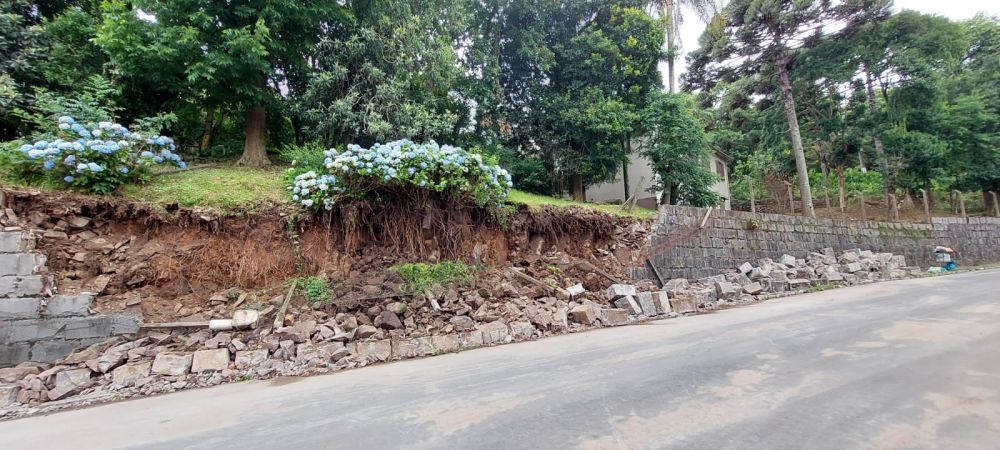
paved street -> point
(906, 364)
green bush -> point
(420, 276)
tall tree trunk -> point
(579, 194)
(861, 161)
(823, 152)
(840, 186)
(297, 127)
(254, 150)
(206, 135)
(793, 130)
(674, 187)
(670, 63)
(881, 162)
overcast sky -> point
(953, 9)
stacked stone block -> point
(34, 325)
(678, 248)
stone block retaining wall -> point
(678, 248)
(35, 325)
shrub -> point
(94, 159)
(401, 166)
(420, 276)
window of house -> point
(720, 168)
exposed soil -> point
(187, 264)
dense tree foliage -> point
(564, 94)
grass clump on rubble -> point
(420, 276)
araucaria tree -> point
(764, 37)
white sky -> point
(953, 9)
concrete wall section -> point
(680, 249)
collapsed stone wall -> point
(35, 324)
(680, 248)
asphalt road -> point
(906, 364)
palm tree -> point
(669, 12)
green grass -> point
(224, 188)
(231, 189)
(314, 288)
(535, 200)
(420, 276)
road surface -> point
(905, 364)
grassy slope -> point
(229, 188)
(225, 189)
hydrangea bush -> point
(96, 158)
(402, 165)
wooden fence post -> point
(893, 208)
(996, 204)
(753, 204)
(791, 198)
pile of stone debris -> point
(165, 360)
(789, 275)
(159, 361)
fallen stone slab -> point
(129, 373)
(169, 363)
(495, 332)
(645, 300)
(620, 290)
(629, 304)
(662, 302)
(613, 317)
(585, 314)
(210, 360)
(246, 359)
(684, 304)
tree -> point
(678, 151)
(388, 76)
(764, 38)
(671, 14)
(234, 54)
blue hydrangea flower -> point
(123, 170)
(49, 165)
(68, 178)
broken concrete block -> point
(446, 343)
(684, 304)
(412, 348)
(210, 360)
(662, 302)
(746, 268)
(645, 300)
(169, 363)
(753, 288)
(675, 285)
(576, 289)
(585, 314)
(853, 267)
(245, 359)
(8, 394)
(127, 375)
(614, 317)
(522, 330)
(495, 332)
(629, 304)
(372, 351)
(620, 290)
(830, 274)
(726, 290)
(788, 260)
